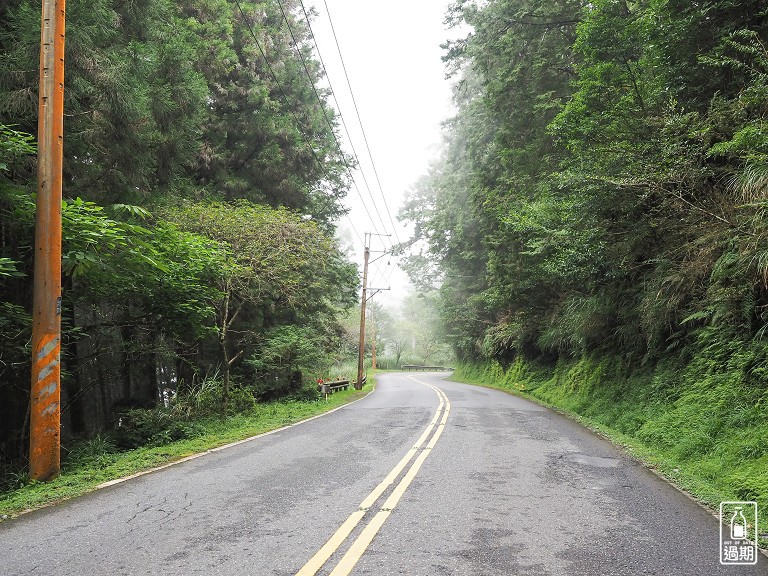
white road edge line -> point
(219, 448)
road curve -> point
(423, 477)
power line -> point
(274, 77)
(383, 269)
(360, 238)
(288, 107)
(298, 122)
(330, 125)
(343, 122)
(359, 119)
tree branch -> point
(235, 357)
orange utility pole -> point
(45, 414)
(361, 349)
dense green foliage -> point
(201, 183)
(178, 98)
(596, 222)
(602, 186)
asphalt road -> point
(422, 478)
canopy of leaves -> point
(165, 99)
(602, 186)
(202, 180)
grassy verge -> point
(94, 462)
(704, 430)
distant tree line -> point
(412, 333)
(201, 183)
(603, 186)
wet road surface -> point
(423, 477)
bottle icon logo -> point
(738, 525)
(738, 533)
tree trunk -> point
(225, 371)
(126, 333)
(185, 371)
(149, 387)
(224, 352)
(73, 380)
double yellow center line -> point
(361, 543)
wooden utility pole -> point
(45, 412)
(361, 349)
(373, 339)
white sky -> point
(392, 55)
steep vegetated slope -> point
(596, 223)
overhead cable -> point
(288, 107)
(328, 121)
(359, 119)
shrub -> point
(208, 400)
(306, 393)
(141, 427)
(96, 451)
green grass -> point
(95, 462)
(704, 428)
